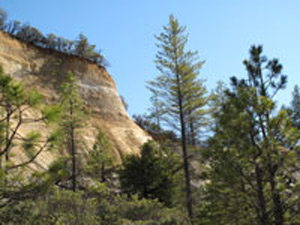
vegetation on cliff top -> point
(31, 35)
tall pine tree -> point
(178, 90)
(73, 118)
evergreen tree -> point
(14, 108)
(150, 175)
(18, 135)
(73, 118)
(13, 27)
(99, 160)
(196, 114)
(252, 156)
(179, 90)
(30, 35)
(83, 48)
(157, 109)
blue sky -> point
(221, 30)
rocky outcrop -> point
(45, 70)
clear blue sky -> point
(221, 30)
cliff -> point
(45, 70)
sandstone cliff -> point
(46, 70)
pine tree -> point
(15, 105)
(73, 118)
(151, 175)
(196, 114)
(157, 109)
(19, 134)
(180, 92)
(253, 153)
(99, 160)
(83, 48)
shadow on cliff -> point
(51, 68)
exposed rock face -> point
(46, 70)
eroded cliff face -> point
(46, 70)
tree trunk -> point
(264, 216)
(6, 158)
(73, 149)
(278, 209)
(73, 152)
(193, 135)
(7, 134)
(189, 204)
(186, 171)
(103, 178)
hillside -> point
(45, 70)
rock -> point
(45, 70)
